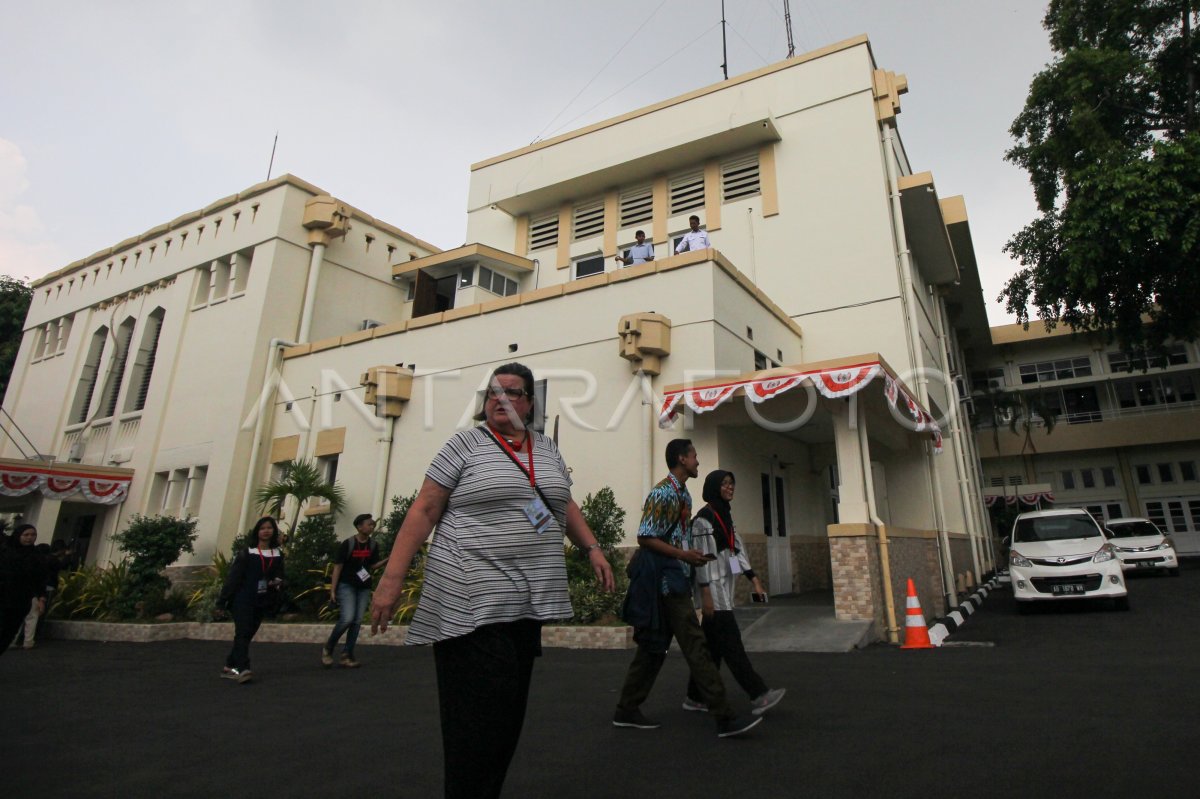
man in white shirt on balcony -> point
(694, 239)
(639, 253)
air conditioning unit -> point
(367, 324)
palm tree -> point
(302, 480)
(1019, 411)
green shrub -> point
(91, 592)
(202, 604)
(607, 521)
(152, 543)
(306, 564)
(385, 533)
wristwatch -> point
(588, 549)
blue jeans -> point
(352, 604)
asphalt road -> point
(1072, 701)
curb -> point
(940, 630)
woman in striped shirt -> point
(500, 496)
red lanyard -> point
(266, 562)
(726, 530)
(513, 454)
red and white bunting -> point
(832, 383)
(18, 481)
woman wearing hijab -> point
(714, 534)
(22, 581)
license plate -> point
(1146, 564)
(1067, 588)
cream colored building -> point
(811, 350)
(1126, 442)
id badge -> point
(262, 586)
(538, 514)
(735, 565)
(363, 575)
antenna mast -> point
(724, 51)
(271, 163)
(787, 21)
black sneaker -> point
(635, 719)
(727, 728)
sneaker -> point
(767, 701)
(348, 662)
(692, 704)
(326, 657)
(237, 675)
(727, 728)
(228, 673)
(635, 719)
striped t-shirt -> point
(487, 563)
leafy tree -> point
(1020, 411)
(301, 480)
(152, 543)
(607, 521)
(390, 524)
(15, 297)
(1109, 138)
(307, 566)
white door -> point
(775, 525)
(1179, 517)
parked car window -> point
(1132, 529)
(1054, 528)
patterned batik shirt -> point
(662, 516)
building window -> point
(588, 220)
(1141, 361)
(1165, 473)
(1089, 478)
(739, 178)
(1143, 475)
(988, 380)
(636, 207)
(411, 294)
(466, 276)
(1068, 480)
(686, 192)
(1187, 471)
(588, 266)
(1109, 476)
(543, 232)
(760, 361)
(143, 363)
(496, 283)
(116, 369)
(1045, 371)
(87, 377)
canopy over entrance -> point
(840, 378)
(59, 481)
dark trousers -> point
(724, 641)
(11, 619)
(680, 615)
(246, 620)
(483, 688)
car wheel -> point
(1121, 603)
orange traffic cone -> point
(916, 634)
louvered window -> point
(739, 178)
(589, 220)
(637, 207)
(116, 371)
(686, 192)
(543, 232)
(143, 364)
(87, 377)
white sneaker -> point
(692, 704)
(767, 701)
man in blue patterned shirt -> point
(663, 536)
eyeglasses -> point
(496, 392)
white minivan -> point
(1141, 545)
(1063, 554)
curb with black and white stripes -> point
(940, 630)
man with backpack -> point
(350, 588)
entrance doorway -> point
(775, 525)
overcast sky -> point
(118, 116)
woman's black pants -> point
(11, 619)
(246, 621)
(725, 643)
(483, 688)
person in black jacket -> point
(22, 580)
(255, 577)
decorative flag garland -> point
(17, 481)
(1012, 499)
(832, 383)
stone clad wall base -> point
(916, 558)
(960, 551)
(855, 572)
(565, 637)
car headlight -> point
(1015, 558)
(1166, 544)
(1104, 553)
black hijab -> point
(717, 507)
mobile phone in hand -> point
(757, 597)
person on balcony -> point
(694, 239)
(640, 253)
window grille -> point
(740, 179)
(543, 232)
(686, 192)
(589, 220)
(637, 207)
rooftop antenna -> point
(724, 51)
(271, 164)
(787, 21)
